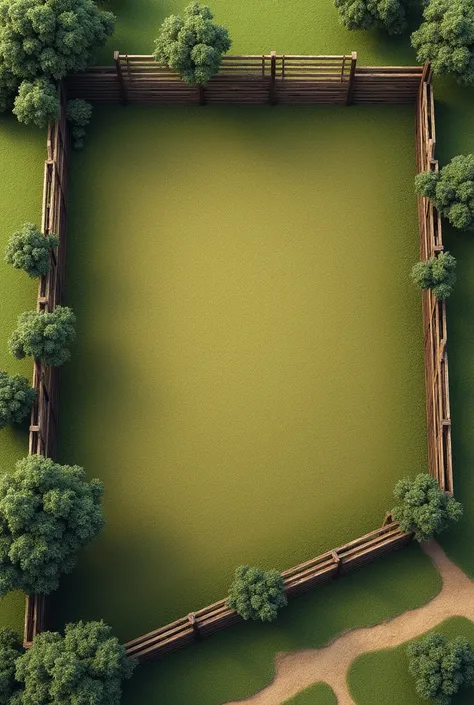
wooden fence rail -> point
(434, 311)
(44, 415)
(299, 579)
(255, 79)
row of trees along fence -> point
(434, 311)
(376, 85)
(262, 79)
(44, 415)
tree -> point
(41, 41)
(368, 14)
(441, 667)
(47, 513)
(446, 38)
(257, 594)
(44, 335)
(192, 45)
(85, 666)
(16, 398)
(10, 650)
(79, 113)
(437, 274)
(451, 190)
(29, 249)
(37, 102)
(425, 509)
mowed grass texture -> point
(22, 154)
(383, 676)
(296, 27)
(319, 694)
(248, 376)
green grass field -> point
(319, 694)
(239, 662)
(248, 377)
(299, 27)
(22, 154)
(383, 676)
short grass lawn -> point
(248, 376)
(383, 676)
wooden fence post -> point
(273, 78)
(118, 68)
(201, 94)
(193, 622)
(350, 87)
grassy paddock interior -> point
(248, 377)
(383, 676)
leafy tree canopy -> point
(44, 335)
(16, 398)
(451, 190)
(446, 38)
(41, 41)
(29, 249)
(192, 45)
(367, 14)
(425, 509)
(10, 650)
(47, 513)
(441, 667)
(86, 666)
(37, 103)
(437, 274)
(257, 594)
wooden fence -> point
(259, 79)
(434, 311)
(44, 416)
(262, 79)
(297, 580)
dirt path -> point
(297, 670)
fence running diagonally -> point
(434, 311)
(265, 79)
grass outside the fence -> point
(22, 154)
(383, 676)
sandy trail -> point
(297, 670)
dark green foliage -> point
(16, 398)
(44, 335)
(10, 650)
(79, 113)
(47, 513)
(37, 102)
(86, 666)
(425, 509)
(441, 667)
(192, 45)
(451, 190)
(41, 41)
(257, 594)
(446, 38)
(29, 249)
(367, 14)
(437, 274)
